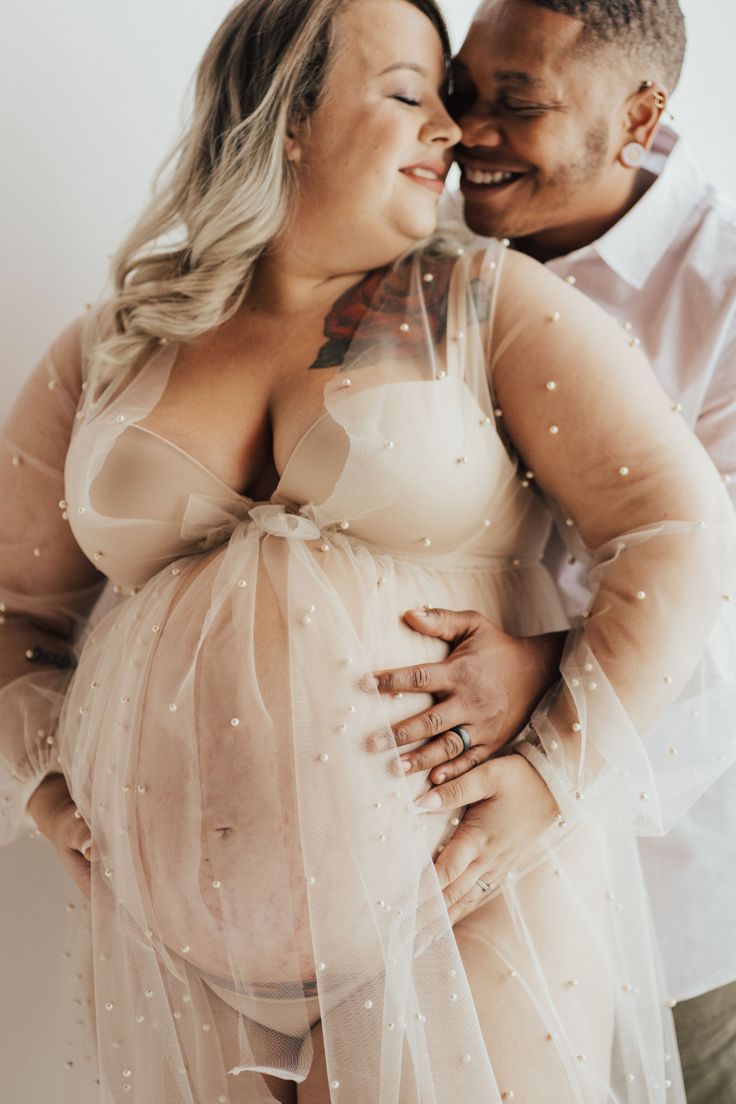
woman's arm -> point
(47, 585)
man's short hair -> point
(651, 33)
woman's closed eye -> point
(407, 99)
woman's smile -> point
(429, 175)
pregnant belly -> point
(239, 775)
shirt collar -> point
(635, 245)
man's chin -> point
(488, 224)
(497, 212)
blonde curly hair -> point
(226, 189)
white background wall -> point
(90, 96)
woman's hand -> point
(490, 684)
(509, 809)
(58, 818)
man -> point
(564, 153)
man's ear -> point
(644, 113)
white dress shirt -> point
(668, 269)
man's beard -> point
(555, 204)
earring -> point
(632, 155)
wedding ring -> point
(464, 736)
(483, 885)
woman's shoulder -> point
(531, 292)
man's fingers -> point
(436, 722)
(461, 764)
(425, 678)
(444, 624)
(474, 786)
(445, 757)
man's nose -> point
(479, 130)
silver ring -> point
(483, 885)
(464, 736)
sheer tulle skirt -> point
(257, 842)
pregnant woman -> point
(297, 413)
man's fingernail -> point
(441, 777)
(369, 682)
(429, 802)
(406, 765)
(420, 612)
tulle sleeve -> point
(47, 585)
(642, 719)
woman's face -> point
(372, 159)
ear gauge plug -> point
(632, 155)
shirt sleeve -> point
(637, 491)
(47, 585)
(716, 426)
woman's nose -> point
(442, 129)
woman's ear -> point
(293, 143)
(293, 149)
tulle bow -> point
(278, 522)
(209, 520)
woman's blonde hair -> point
(225, 191)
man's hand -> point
(490, 684)
(509, 807)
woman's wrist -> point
(529, 745)
(46, 800)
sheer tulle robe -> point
(242, 785)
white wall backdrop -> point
(90, 96)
